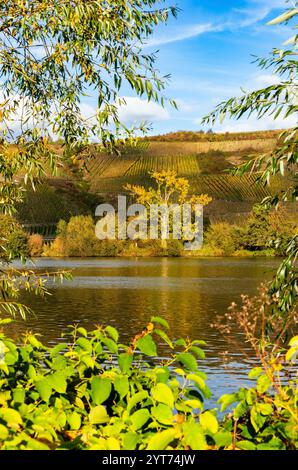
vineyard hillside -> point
(204, 163)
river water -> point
(126, 292)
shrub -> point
(206, 250)
(107, 248)
(35, 244)
(246, 253)
(256, 235)
(93, 392)
(77, 238)
(174, 248)
(13, 239)
(221, 236)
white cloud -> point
(238, 18)
(265, 80)
(254, 124)
(181, 34)
(256, 12)
(136, 110)
(186, 106)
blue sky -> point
(208, 52)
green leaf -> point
(58, 382)
(121, 386)
(3, 432)
(162, 374)
(88, 361)
(265, 409)
(163, 394)
(256, 418)
(147, 346)
(113, 333)
(34, 342)
(194, 436)
(292, 353)
(223, 439)
(98, 415)
(19, 395)
(31, 372)
(135, 399)
(44, 388)
(246, 445)
(227, 400)
(100, 389)
(84, 344)
(161, 321)
(209, 422)
(11, 417)
(161, 440)
(125, 362)
(34, 444)
(164, 336)
(263, 384)
(188, 360)
(6, 321)
(74, 421)
(162, 413)
(82, 331)
(255, 372)
(130, 441)
(195, 404)
(273, 444)
(294, 341)
(240, 410)
(111, 345)
(198, 351)
(139, 418)
(251, 396)
(200, 384)
(199, 342)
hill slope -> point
(203, 163)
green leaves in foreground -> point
(82, 395)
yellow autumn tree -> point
(168, 189)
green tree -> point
(258, 231)
(52, 54)
(276, 100)
(13, 239)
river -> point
(126, 292)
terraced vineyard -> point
(108, 174)
(52, 201)
(224, 186)
(182, 165)
(202, 163)
(182, 157)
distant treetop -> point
(210, 136)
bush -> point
(35, 244)
(13, 239)
(174, 248)
(221, 236)
(77, 238)
(205, 251)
